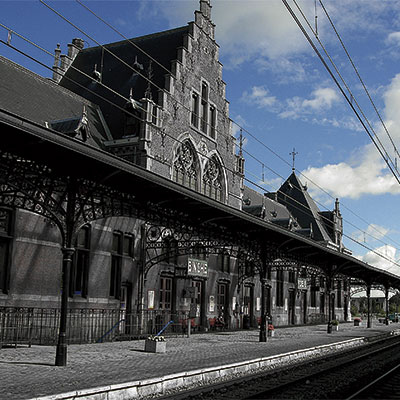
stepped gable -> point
(294, 195)
(102, 66)
(40, 100)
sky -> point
(279, 91)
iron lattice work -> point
(165, 244)
(358, 287)
(68, 202)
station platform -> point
(123, 370)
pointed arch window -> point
(185, 167)
(213, 181)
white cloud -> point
(384, 258)
(265, 31)
(372, 233)
(393, 39)
(353, 181)
(260, 97)
(286, 70)
(366, 173)
(321, 99)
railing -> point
(40, 325)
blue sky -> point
(278, 90)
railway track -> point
(382, 387)
(339, 376)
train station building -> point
(123, 197)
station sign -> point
(197, 268)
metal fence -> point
(40, 325)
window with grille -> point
(128, 244)
(116, 265)
(339, 294)
(6, 217)
(203, 115)
(198, 285)
(224, 261)
(204, 108)
(165, 294)
(79, 277)
(213, 121)
(195, 110)
(247, 300)
(279, 288)
(313, 293)
(221, 297)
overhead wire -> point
(358, 106)
(234, 122)
(294, 16)
(252, 182)
(169, 135)
(360, 79)
(153, 59)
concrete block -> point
(152, 346)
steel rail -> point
(249, 383)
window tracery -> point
(186, 166)
(213, 180)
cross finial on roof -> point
(293, 154)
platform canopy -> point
(68, 156)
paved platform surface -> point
(27, 373)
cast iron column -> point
(264, 282)
(369, 305)
(387, 305)
(329, 284)
(263, 325)
(61, 352)
(68, 251)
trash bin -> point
(246, 321)
(357, 322)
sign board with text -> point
(197, 268)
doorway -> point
(292, 308)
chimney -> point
(74, 48)
(62, 61)
(56, 66)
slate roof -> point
(292, 208)
(263, 207)
(162, 46)
(299, 202)
(40, 100)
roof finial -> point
(293, 154)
